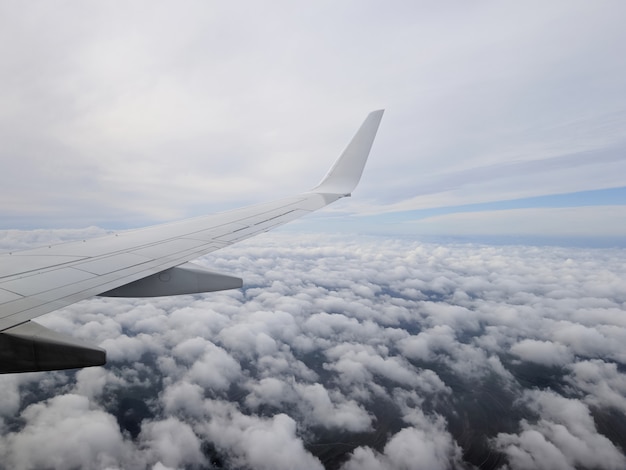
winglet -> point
(346, 172)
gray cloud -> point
(100, 108)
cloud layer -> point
(344, 353)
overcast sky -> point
(117, 115)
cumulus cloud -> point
(65, 432)
(265, 443)
(172, 442)
(602, 383)
(542, 352)
(318, 408)
(565, 436)
(410, 448)
(343, 351)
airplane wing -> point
(147, 262)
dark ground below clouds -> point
(475, 412)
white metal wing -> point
(146, 262)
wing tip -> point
(346, 172)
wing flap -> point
(23, 262)
(188, 278)
(30, 347)
(6, 296)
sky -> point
(464, 309)
(498, 117)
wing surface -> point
(38, 281)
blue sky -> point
(496, 115)
(426, 224)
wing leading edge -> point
(142, 263)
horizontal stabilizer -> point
(346, 172)
(188, 278)
(30, 347)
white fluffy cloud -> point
(172, 442)
(264, 443)
(565, 436)
(65, 432)
(542, 352)
(410, 448)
